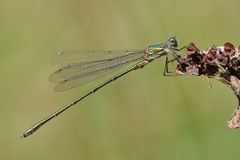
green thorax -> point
(156, 50)
(159, 45)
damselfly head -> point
(172, 42)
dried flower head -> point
(219, 62)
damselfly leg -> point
(166, 71)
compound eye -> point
(172, 40)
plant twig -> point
(218, 62)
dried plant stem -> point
(221, 63)
(234, 84)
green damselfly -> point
(80, 67)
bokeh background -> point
(140, 116)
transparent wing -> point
(80, 67)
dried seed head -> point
(219, 62)
(192, 49)
(229, 49)
(208, 62)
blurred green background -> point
(140, 116)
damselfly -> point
(80, 67)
